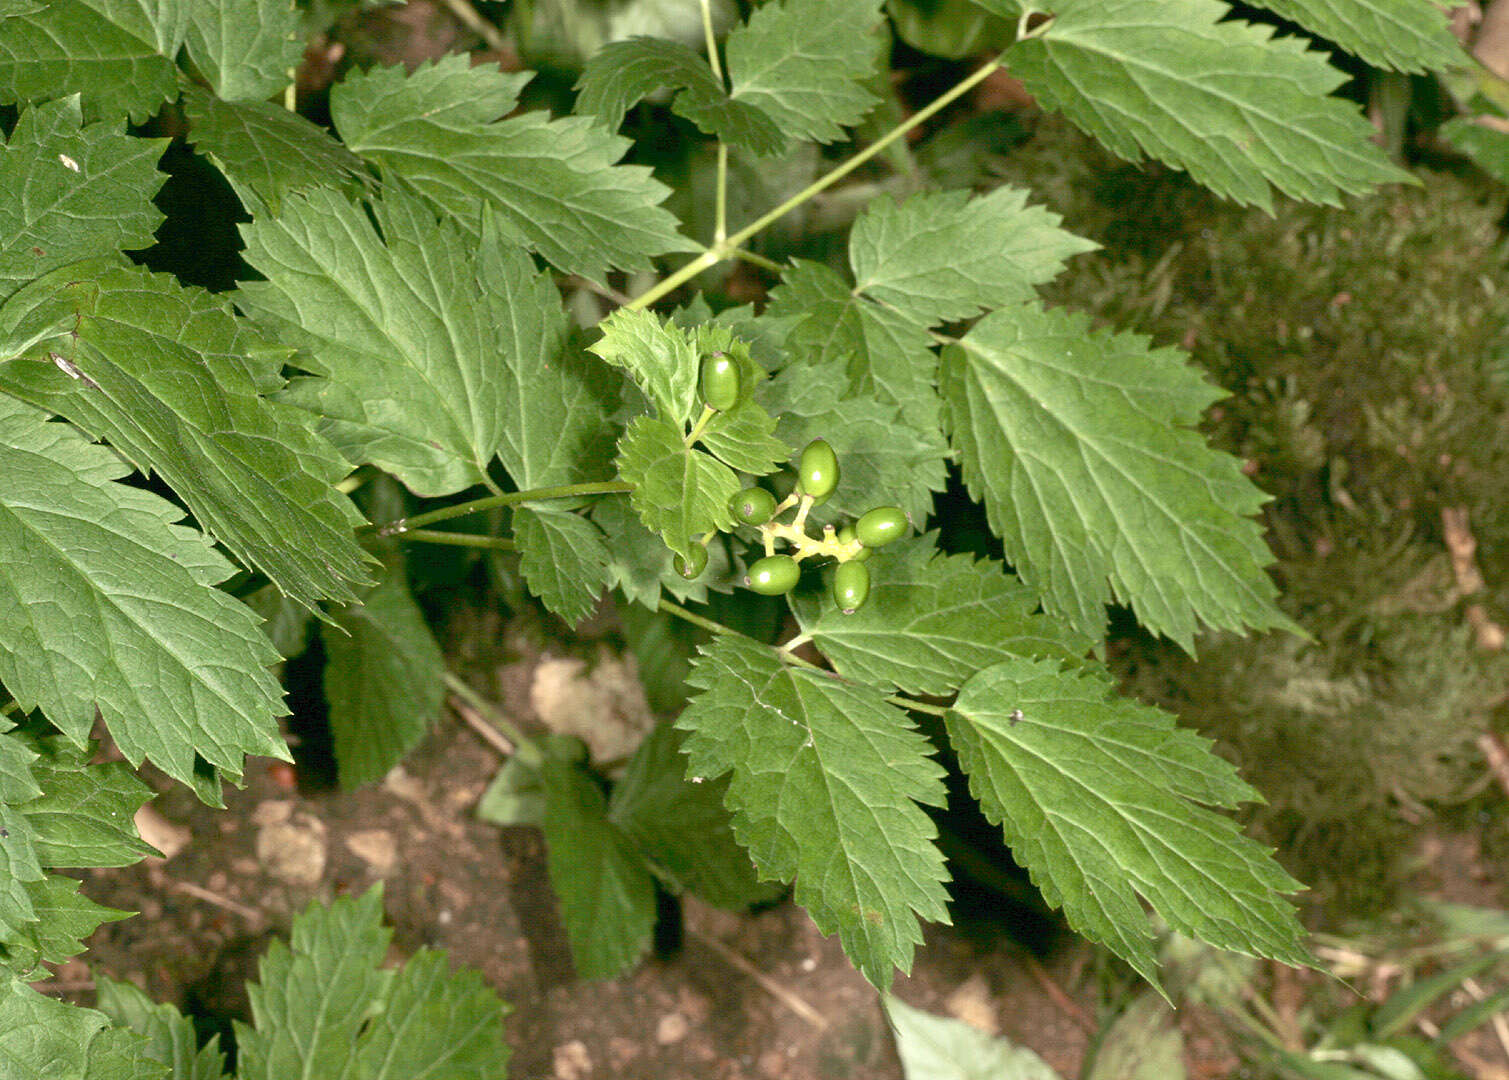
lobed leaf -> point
(661, 359)
(245, 49)
(1099, 798)
(1235, 107)
(65, 919)
(85, 816)
(1405, 35)
(825, 786)
(679, 492)
(435, 1023)
(564, 559)
(1082, 448)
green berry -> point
(720, 382)
(851, 584)
(817, 473)
(752, 506)
(693, 568)
(846, 536)
(773, 575)
(878, 527)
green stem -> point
(672, 608)
(524, 747)
(489, 502)
(757, 260)
(712, 40)
(723, 249)
(429, 536)
(696, 433)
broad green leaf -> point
(605, 890)
(1406, 35)
(1232, 105)
(316, 993)
(661, 359)
(266, 151)
(43, 1037)
(932, 620)
(383, 680)
(17, 784)
(170, 1036)
(397, 328)
(803, 63)
(72, 191)
(556, 183)
(940, 1048)
(954, 29)
(679, 493)
(642, 566)
(246, 49)
(682, 827)
(1082, 447)
(117, 54)
(1487, 146)
(435, 1023)
(564, 559)
(20, 872)
(1101, 800)
(105, 603)
(826, 782)
(943, 256)
(65, 917)
(1143, 1043)
(622, 73)
(663, 646)
(516, 794)
(84, 818)
(174, 382)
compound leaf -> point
(175, 383)
(555, 182)
(72, 190)
(943, 256)
(1082, 448)
(679, 492)
(1406, 35)
(1235, 107)
(1101, 800)
(564, 558)
(606, 893)
(804, 64)
(105, 603)
(826, 782)
(932, 620)
(383, 680)
(245, 49)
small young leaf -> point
(607, 895)
(804, 62)
(170, 1036)
(564, 558)
(678, 492)
(1235, 107)
(1406, 35)
(555, 182)
(244, 48)
(1099, 797)
(383, 680)
(826, 782)
(940, 1048)
(1081, 446)
(659, 357)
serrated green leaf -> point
(246, 49)
(17, 784)
(932, 620)
(622, 73)
(556, 183)
(316, 994)
(659, 357)
(940, 1048)
(605, 890)
(397, 328)
(1229, 103)
(384, 680)
(174, 381)
(41, 1036)
(1406, 35)
(1101, 800)
(564, 558)
(682, 827)
(1082, 447)
(64, 918)
(170, 1036)
(435, 1023)
(84, 817)
(73, 190)
(642, 566)
(105, 603)
(117, 54)
(803, 63)
(268, 152)
(19, 869)
(943, 256)
(826, 782)
(679, 492)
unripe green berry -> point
(773, 575)
(817, 472)
(878, 527)
(851, 585)
(720, 382)
(846, 536)
(752, 506)
(693, 568)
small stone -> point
(971, 1003)
(161, 833)
(673, 1027)
(291, 846)
(571, 1061)
(376, 848)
